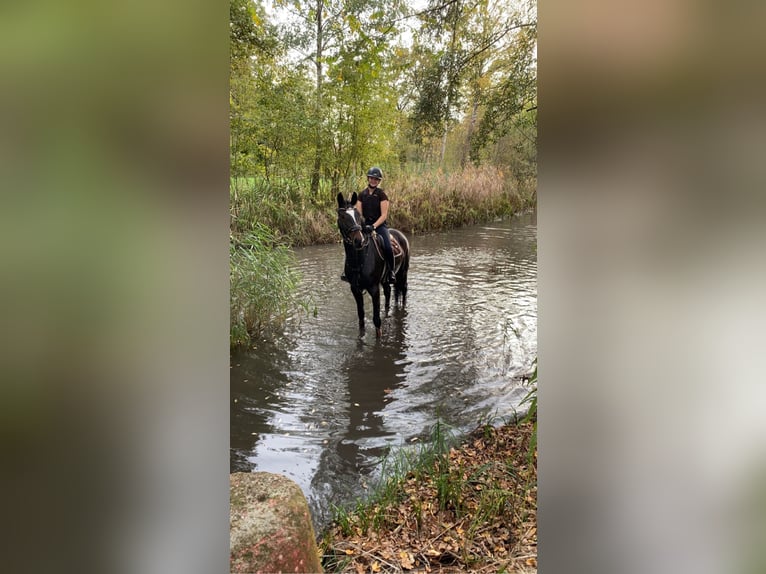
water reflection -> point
(373, 373)
(256, 394)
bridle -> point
(346, 232)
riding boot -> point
(390, 278)
(344, 278)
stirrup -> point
(344, 278)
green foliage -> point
(318, 99)
(423, 203)
(510, 107)
(248, 29)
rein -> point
(350, 230)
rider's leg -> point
(388, 252)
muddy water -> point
(322, 404)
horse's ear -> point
(341, 201)
(354, 197)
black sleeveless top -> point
(371, 204)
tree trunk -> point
(444, 145)
(451, 77)
(318, 111)
(469, 133)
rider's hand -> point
(369, 229)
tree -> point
(343, 40)
(458, 44)
(510, 105)
(251, 41)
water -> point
(322, 404)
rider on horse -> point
(373, 206)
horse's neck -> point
(366, 256)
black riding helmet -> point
(375, 172)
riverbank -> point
(466, 508)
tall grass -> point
(286, 207)
(439, 201)
(263, 281)
(531, 398)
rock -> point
(269, 526)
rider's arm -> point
(383, 213)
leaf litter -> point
(474, 511)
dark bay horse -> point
(365, 262)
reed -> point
(263, 282)
(438, 201)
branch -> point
(436, 8)
(492, 41)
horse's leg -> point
(400, 287)
(403, 288)
(375, 294)
(359, 297)
(387, 295)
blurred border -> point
(651, 274)
(114, 161)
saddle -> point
(395, 248)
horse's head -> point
(350, 222)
